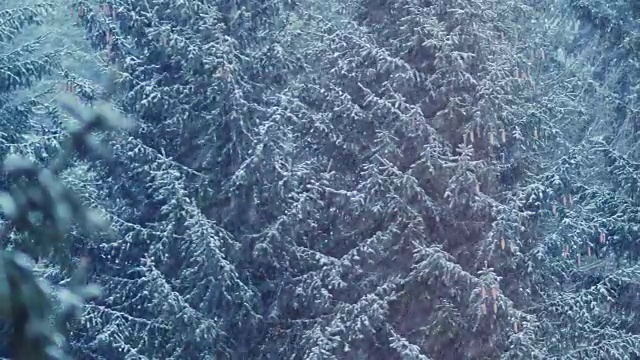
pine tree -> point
(574, 292)
(403, 191)
(188, 179)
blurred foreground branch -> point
(43, 209)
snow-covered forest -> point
(326, 179)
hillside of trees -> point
(361, 179)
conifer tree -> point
(188, 179)
(571, 288)
(405, 135)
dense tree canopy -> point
(342, 180)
